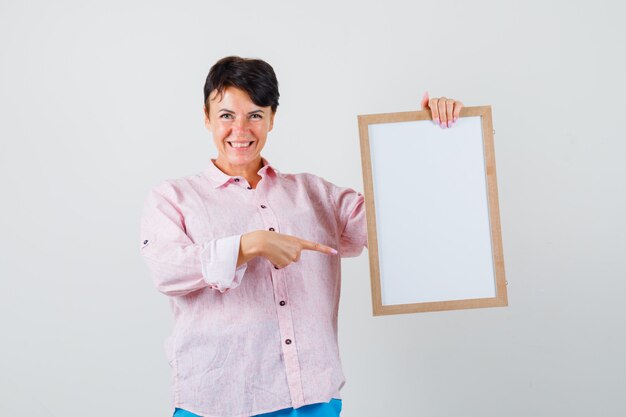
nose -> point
(240, 124)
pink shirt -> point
(252, 339)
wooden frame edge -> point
(501, 298)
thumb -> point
(425, 101)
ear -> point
(271, 121)
(207, 122)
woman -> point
(250, 260)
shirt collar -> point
(220, 178)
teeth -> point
(240, 144)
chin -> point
(241, 160)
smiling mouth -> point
(239, 145)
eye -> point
(256, 116)
(226, 116)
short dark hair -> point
(254, 76)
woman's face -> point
(239, 127)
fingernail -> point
(443, 125)
(436, 120)
(333, 251)
(455, 119)
(450, 123)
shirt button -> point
(263, 206)
(275, 267)
(271, 230)
(249, 188)
(288, 341)
(282, 303)
(145, 241)
(236, 179)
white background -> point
(99, 101)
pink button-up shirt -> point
(250, 339)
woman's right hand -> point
(278, 248)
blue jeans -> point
(329, 409)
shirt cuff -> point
(219, 263)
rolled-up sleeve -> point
(177, 264)
(350, 206)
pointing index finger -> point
(307, 244)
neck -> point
(248, 171)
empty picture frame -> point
(432, 212)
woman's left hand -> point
(445, 111)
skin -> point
(233, 116)
(445, 111)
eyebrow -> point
(230, 111)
